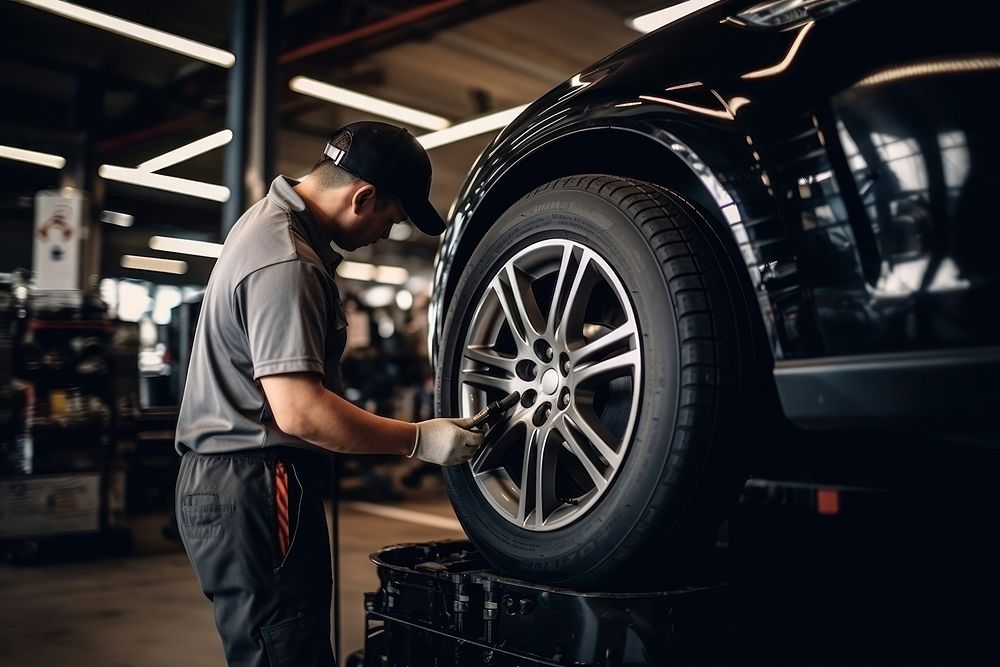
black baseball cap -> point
(391, 159)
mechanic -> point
(262, 403)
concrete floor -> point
(147, 610)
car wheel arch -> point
(615, 151)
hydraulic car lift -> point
(439, 604)
(802, 574)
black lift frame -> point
(440, 605)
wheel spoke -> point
(487, 356)
(485, 381)
(600, 346)
(576, 449)
(623, 363)
(567, 299)
(526, 503)
(593, 435)
(563, 280)
(524, 300)
(490, 457)
(548, 463)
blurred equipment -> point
(68, 398)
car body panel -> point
(851, 160)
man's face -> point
(372, 221)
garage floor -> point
(147, 610)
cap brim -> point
(424, 216)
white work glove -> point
(446, 442)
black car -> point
(760, 213)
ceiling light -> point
(116, 218)
(183, 186)
(356, 271)
(379, 296)
(185, 246)
(393, 275)
(33, 157)
(187, 151)
(404, 299)
(140, 263)
(367, 103)
(400, 232)
(470, 128)
(661, 17)
(136, 31)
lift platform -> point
(439, 604)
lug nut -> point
(527, 370)
(564, 399)
(541, 414)
(528, 398)
(564, 364)
(544, 351)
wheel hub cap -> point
(557, 306)
(550, 382)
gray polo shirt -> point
(271, 307)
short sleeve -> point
(284, 310)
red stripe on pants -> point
(281, 506)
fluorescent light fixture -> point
(33, 157)
(661, 17)
(470, 128)
(400, 232)
(185, 246)
(393, 275)
(187, 151)
(137, 31)
(404, 299)
(378, 296)
(219, 193)
(141, 263)
(367, 103)
(356, 271)
(116, 218)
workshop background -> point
(132, 136)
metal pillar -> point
(260, 169)
(79, 174)
(250, 111)
(237, 113)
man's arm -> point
(304, 408)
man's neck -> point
(321, 203)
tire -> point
(670, 423)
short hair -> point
(327, 175)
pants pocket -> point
(201, 515)
(296, 642)
(288, 492)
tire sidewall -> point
(586, 544)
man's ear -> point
(363, 197)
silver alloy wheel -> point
(555, 324)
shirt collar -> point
(283, 194)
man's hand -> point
(446, 442)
